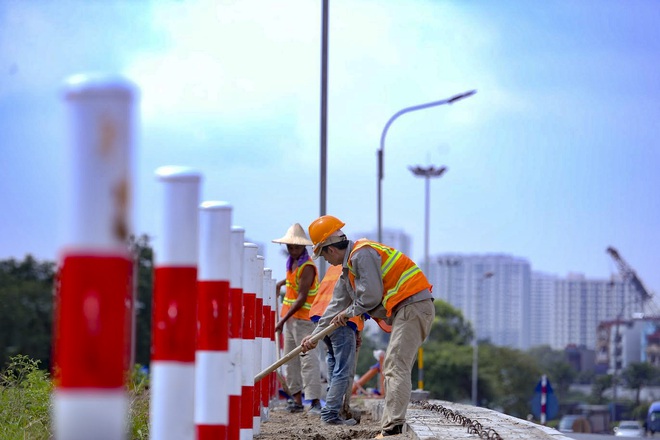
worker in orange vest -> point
(303, 374)
(342, 347)
(386, 284)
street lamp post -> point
(381, 151)
(427, 173)
(475, 342)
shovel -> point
(293, 353)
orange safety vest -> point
(292, 280)
(401, 276)
(324, 296)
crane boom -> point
(628, 274)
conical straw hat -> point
(295, 235)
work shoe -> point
(398, 429)
(338, 421)
(315, 409)
(294, 407)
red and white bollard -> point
(174, 324)
(273, 336)
(249, 334)
(267, 345)
(212, 357)
(258, 341)
(95, 295)
(234, 374)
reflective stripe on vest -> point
(292, 286)
(401, 276)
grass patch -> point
(25, 401)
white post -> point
(267, 345)
(234, 375)
(258, 274)
(212, 356)
(94, 301)
(249, 333)
(174, 325)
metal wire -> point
(472, 426)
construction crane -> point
(628, 274)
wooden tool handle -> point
(293, 353)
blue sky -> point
(554, 159)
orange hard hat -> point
(323, 228)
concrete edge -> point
(427, 425)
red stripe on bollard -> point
(235, 313)
(234, 429)
(90, 346)
(174, 329)
(213, 312)
(211, 432)
(258, 333)
(249, 315)
(265, 389)
(249, 332)
(246, 407)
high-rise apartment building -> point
(543, 310)
(510, 305)
(582, 304)
(491, 290)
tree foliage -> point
(144, 259)
(553, 364)
(638, 375)
(26, 309)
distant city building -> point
(510, 305)
(621, 342)
(395, 238)
(582, 304)
(580, 358)
(543, 310)
(492, 291)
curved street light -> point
(381, 151)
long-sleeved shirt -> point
(367, 296)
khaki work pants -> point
(410, 327)
(303, 373)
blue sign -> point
(551, 402)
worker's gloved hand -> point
(307, 344)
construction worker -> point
(386, 284)
(342, 347)
(303, 374)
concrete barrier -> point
(427, 424)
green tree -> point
(448, 355)
(144, 259)
(553, 363)
(449, 325)
(638, 375)
(598, 387)
(447, 371)
(511, 377)
(26, 309)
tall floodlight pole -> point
(381, 150)
(427, 173)
(475, 342)
(324, 116)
